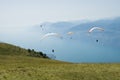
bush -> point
(34, 53)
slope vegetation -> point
(8, 49)
(34, 68)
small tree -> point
(29, 50)
(40, 53)
(45, 56)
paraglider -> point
(97, 40)
(41, 27)
(53, 50)
(70, 34)
(95, 28)
(51, 34)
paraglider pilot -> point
(53, 50)
(97, 40)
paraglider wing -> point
(95, 28)
(70, 33)
(51, 34)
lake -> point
(78, 49)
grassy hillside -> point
(34, 68)
(31, 68)
(8, 49)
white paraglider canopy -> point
(51, 34)
(70, 33)
(95, 28)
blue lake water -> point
(78, 50)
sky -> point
(18, 16)
(21, 13)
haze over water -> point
(81, 48)
(20, 22)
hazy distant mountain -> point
(80, 28)
(111, 27)
(110, 35)
(113, 24)
(80, 46)
(77, 22)
(79, 25)
(61, 26)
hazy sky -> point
(15, 13)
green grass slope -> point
(31, 68)
(34, 68)
(8, 49)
